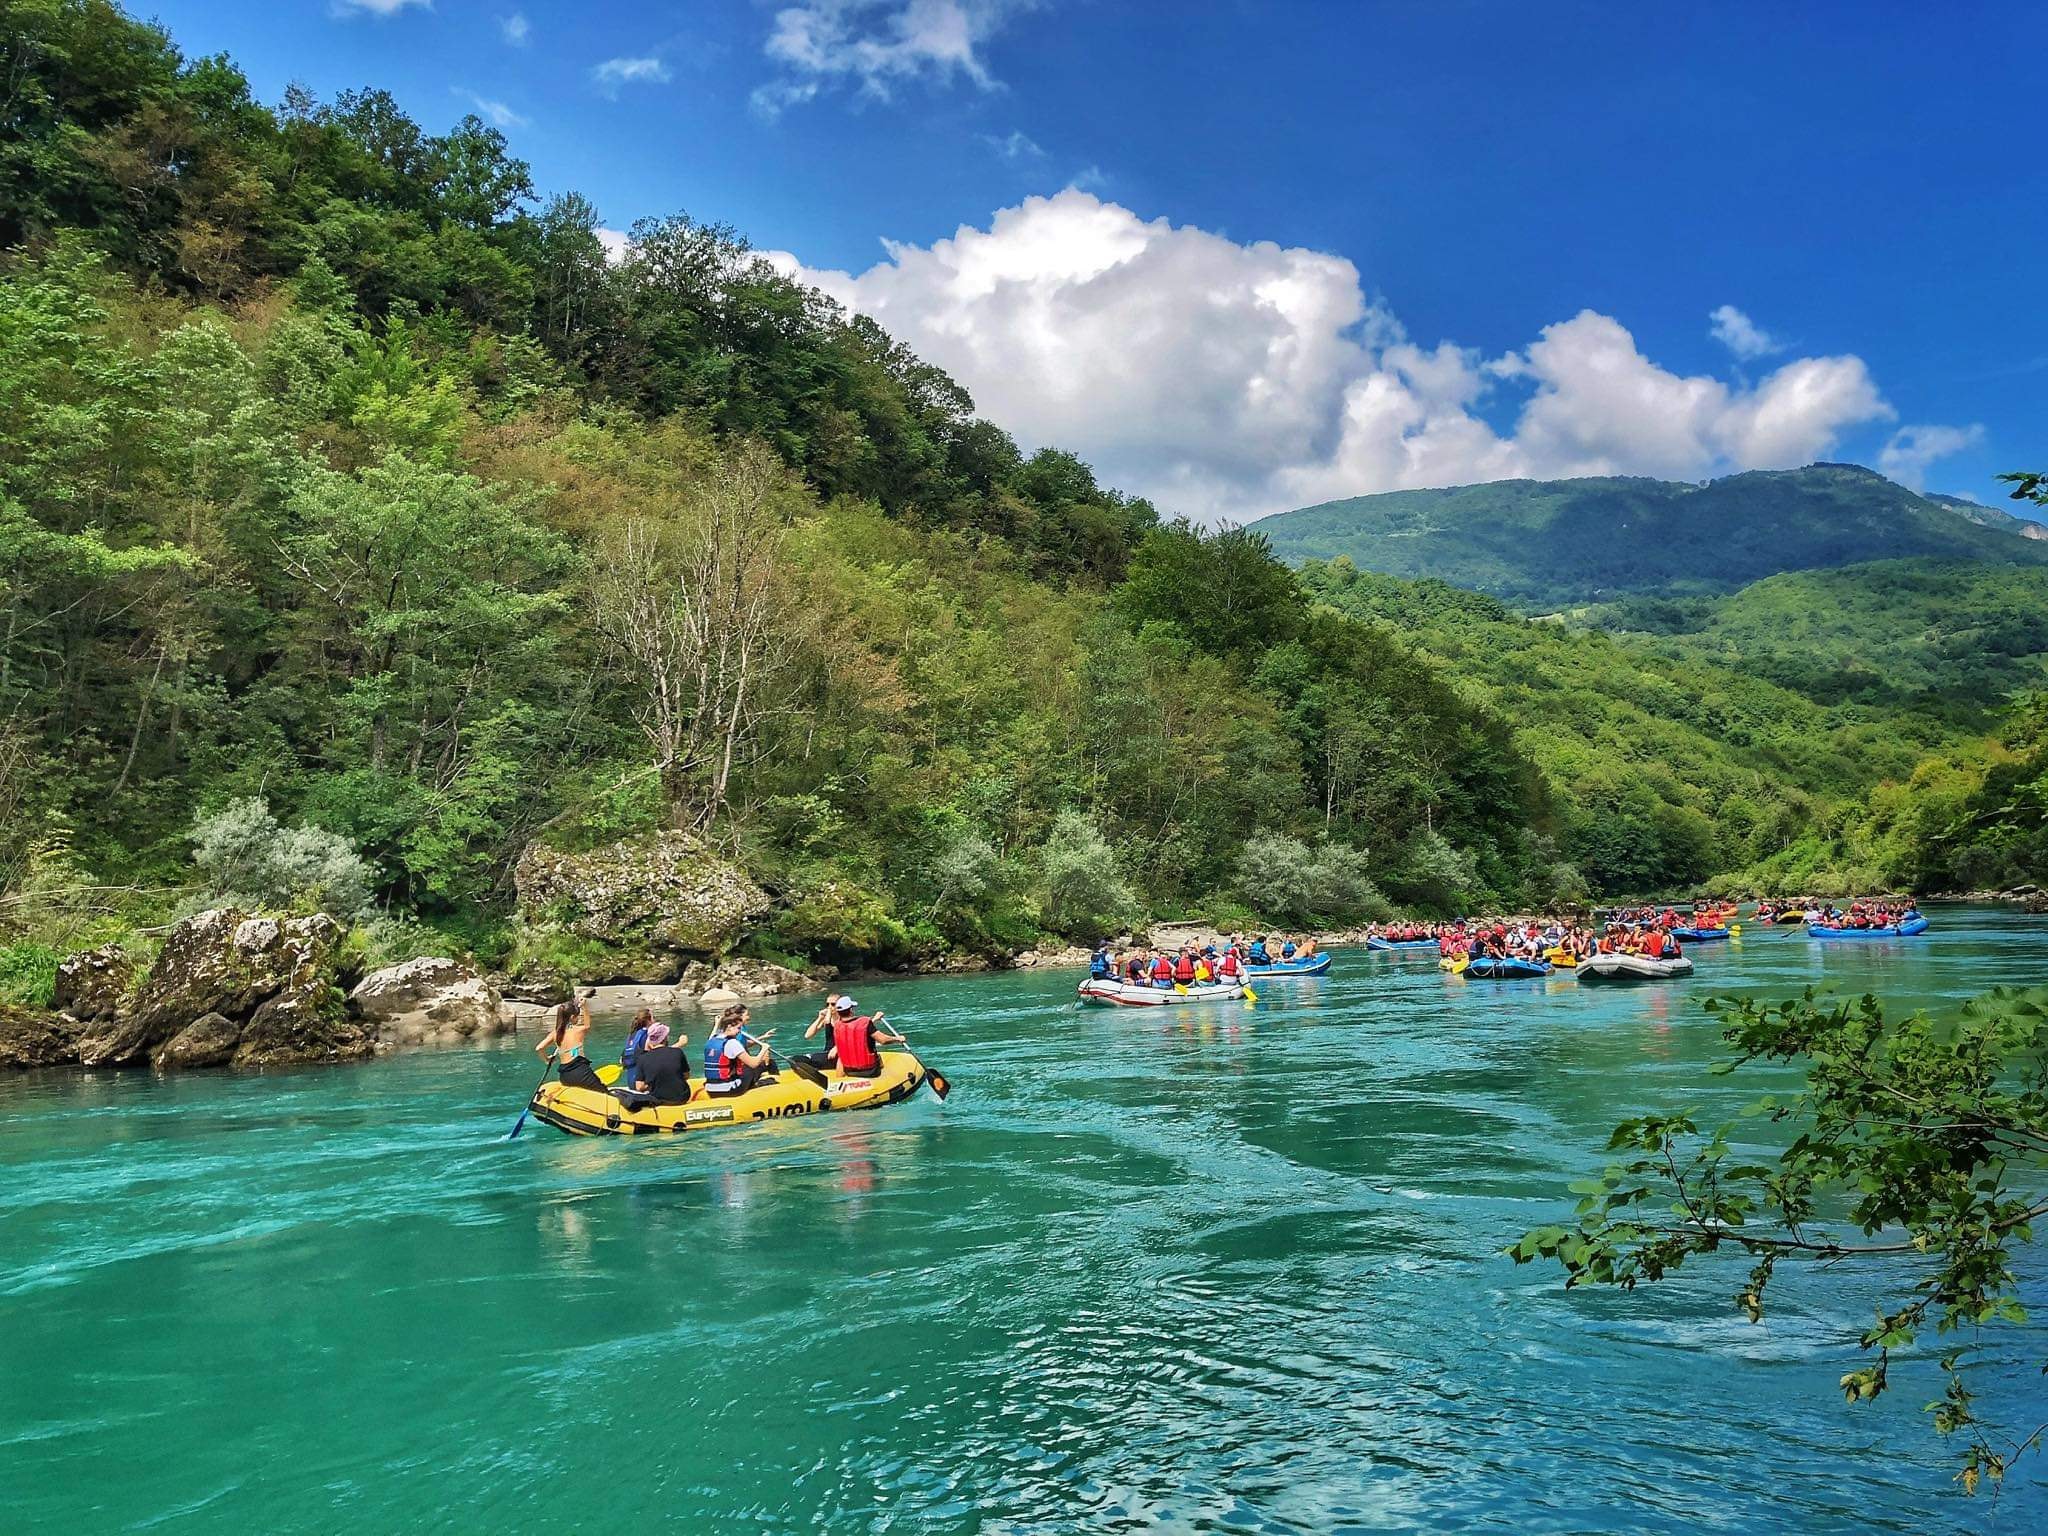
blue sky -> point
(1249, 255)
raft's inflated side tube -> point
(1907, 929)
(1484, 969)
(591, 1112)
(1632, 968)
(1131, 994)
(1699, 935)
(1315, 965)
(1386, 944)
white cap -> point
(846, 1005)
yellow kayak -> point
(1561, 957)
(589, 1112)
(1455, 964)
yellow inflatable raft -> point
(589, 1112)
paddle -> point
(931, 1074)
(802, 1069)
(520, 1124)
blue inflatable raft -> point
(1482, 968)
(1415, 944)
(1906, 930)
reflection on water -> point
(1191, 1268)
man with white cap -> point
(857, 1040)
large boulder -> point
(760, 978)
(232, 964)
(92, 985)
(428, 1001)
(301, 1024)
(31, 1037)
(208, 1041)
(661, 896)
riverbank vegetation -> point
(355, 506)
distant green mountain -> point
(1545, 544)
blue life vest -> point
(716, 1068)
(1259, 956)
(1099, 966)
(1287, 953)
(629, 1058)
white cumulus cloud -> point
(1230, 380)
(876, 45)
(1913, 450)
(515, 29)
(1742, 335)
(618, 245)
(613, 73)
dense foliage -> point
(340, 473)
(347, 489)
(1548, 545)
(1916, 1144)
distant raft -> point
(1315, 965)
(1486, 968)
(1402, 944)
(598, 1112)
(1632, 968)
(1700, 935)
(1905, 930)
(1104, 993)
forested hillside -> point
(340, 472)
(1953, 638)
(1875, 727)
(1545, 545)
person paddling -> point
(729, 1067)
(857, 1042)
(564, 1042)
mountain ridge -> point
(1559, 543)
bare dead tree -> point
(693, 607)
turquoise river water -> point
(1187, 1269)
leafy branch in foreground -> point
(1923, 1141)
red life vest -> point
(1162, 969)
(850, 1044)
(1227, 966)
(1184, 969)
